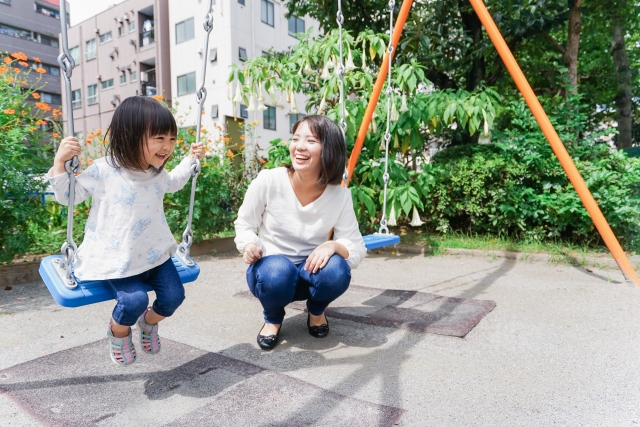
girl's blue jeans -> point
(132, 298)
(276, 281)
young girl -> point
(127, 240)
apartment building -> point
(242, 29)
(121, 52)
(32, 27)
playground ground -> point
(561, 347)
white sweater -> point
(126, 233)
(287, 228)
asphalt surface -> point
(561, 347)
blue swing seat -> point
(92, 291)
(378, 240)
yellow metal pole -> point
(556, 144)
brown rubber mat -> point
(181, 386)
(417, 311)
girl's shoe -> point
(122, 351)
(149, 338)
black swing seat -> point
(93, 291)
(379, 240)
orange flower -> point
(157, 97)
(21, 56)
(36, 95)
(261, 160)
(203, 112)
(32, 129)
(36, 59)
(24, 82)
(229, 153)
(40, 70)
(24, 64)
(9, 111)
(242, 138)
(227, 139)
(43, 106)
(56, 135)
(10, 79)
(56, 113)
(98, 132)
(16, 70)
(3, 69)
(88, 140)
(90, 161)
(41, 122)
(7, 60)
(184, 147)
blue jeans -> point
(131, 293)
(276, 281)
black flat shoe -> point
(268, 342)
(318, 331)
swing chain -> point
(201, 96)
(341, 70)
(387, 135)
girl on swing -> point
(127, 241)
(283, 224)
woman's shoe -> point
(268, 342)
(318, 331)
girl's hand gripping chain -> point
(68, 148)
(196, 150)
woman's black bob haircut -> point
(334, 149)
(135, 118)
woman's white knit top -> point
(273, 218)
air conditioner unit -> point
(144, 77)
(126, 17)
(119, 20)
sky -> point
(83, 9)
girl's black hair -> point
(334, 149)
(135, 118)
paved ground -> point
(561, 347)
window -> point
(184, 31)
(92, 94)
(213, 55)
(296, 25)
(123, 79)
(266, 9)
(107, 84)
(121, 31)
(269, 118)
(133, 77)
(50, 98)
(106, 37)
(132, 26)
(75, 54)
(53, 70)
(76, 99)
(293, 118)
(32, 36)
(214, 111)
(242, 54)
(46, 11)
(187, 84)
(6, 2)
(243, 111)
(90, 50)
(241, 2)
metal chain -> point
(201, 96)
(66, 62)
(387, 135)
(341, 72)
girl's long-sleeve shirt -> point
(127, 232)
(273, 218)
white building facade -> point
(241, 29)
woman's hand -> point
(320, 256)
(197, 150)
(68, 148)
(252, 253)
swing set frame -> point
(538, 112)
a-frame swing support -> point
(541, 117)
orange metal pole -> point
(556, 144)
(377, 88)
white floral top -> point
(126, 233)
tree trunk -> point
(570, 56)
(473, 29)
(623, 97)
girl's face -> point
(158, 148)
(306, 151)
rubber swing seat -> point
(378, 240)
(93, 291)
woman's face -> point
(306, 151)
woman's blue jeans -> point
(276, 281)
(131, 293)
